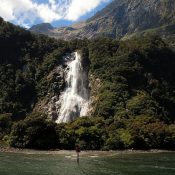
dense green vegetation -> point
(95, 133)
(25, 60)
(135, 102)
(137, 77)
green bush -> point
(5, 124)
(34, 132)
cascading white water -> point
(74, 100)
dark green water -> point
(122, 164)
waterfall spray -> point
(75, 98)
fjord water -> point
(121, 164)
(74, 100)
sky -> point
(27, 13)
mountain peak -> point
(124, 18)
(42, 28)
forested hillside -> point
(25, 60)
(131, 81)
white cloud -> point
(26, 12)
(6, 10)
(79, 7)
(47, 14)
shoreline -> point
(82, 153)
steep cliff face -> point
(124, 18)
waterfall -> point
(74, 99)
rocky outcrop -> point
(58, 78)
(95, 85)
(47, 105)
